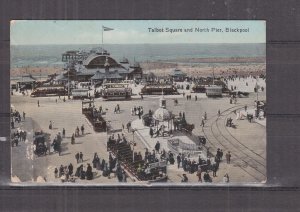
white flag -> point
(106, 28)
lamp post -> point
(133, 143)
(68, 83)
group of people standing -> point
(203, 166)
(65, 173)
(137, 110)
(15, 117)
(18, 136)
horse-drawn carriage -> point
(181, 124)
(39, 141)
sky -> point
(37, 32)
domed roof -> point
(124, 60)
(162, 114)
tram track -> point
(247, 156)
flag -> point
(106, 28)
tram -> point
(49, 91)
(214, 91)
(116, 91)
(157, 89)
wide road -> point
(245, 141)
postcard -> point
(135, 102)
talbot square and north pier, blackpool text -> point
(199, 29)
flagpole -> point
(102, 38)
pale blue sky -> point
(30, 32)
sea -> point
(50, 55)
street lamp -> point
(133, 143)
(256, 88)
(68, 83)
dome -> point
(162, 114)
(124, 60)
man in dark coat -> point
(82, 129)
(81, 157)
(61, 170)
(77, 157)
(214, 169)
(228, 157)
(157, 146)
(70, 167)
(206, 177)
(151, 132)
(89, 172)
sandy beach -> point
(198, 67)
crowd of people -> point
(85, 171)
(137, 110)
(203, 167)
(17, 135)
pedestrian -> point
(185, 179)
(128, 126)
(157, 146)
(151, 132)
(199, 173)
(64, 132)
(56, 172)
(73, 139)
(221, 154)
(196, 98)
(70, 168)
(226, 178)
(81, 157)
(214, 169)
(202, 122)
(38, 102)
(178, 161)
(24, 115)
(77, 157)
(124, 176)
(77, 131)
(61, 171)
(228, 157)
(82, 129)
(207, 178)
(59, 149)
